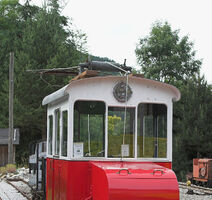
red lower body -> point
(89, 180)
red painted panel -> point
(78, 180)
(147, 189)
(64, 179)
(127, 180)
(68, 180)
(100, 189)
(81, 180)
(56, 179)
(49, 179)
(165, 164)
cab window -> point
(57, 132)
(50, 130)
(64, 132)
(89, 129)
(152, 131)
(121, 134)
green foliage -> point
(192, 125)
(3, 170)
(9, 168)
(97, 58)
(115, 142)
(149, 148)
(112, 123)
(40, 38)
(164, 56)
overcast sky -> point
(113, 27)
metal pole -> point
(11, 94)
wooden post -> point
(11, 94)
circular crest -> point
(119, 92)
(203, 171)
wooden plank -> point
(138, 75)
(86, 74)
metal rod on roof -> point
(52, 69)
(11, 95)
(126, 72)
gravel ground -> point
(198, 196)
(7, 192)
(23, 187)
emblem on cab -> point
(119, 92)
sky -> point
(113, 27)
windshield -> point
(89, 129)
(152, 130)
(121, 134)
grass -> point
(3, 170)
(9, 168)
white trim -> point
(71, 129)
(53, 135)
(60, 142)
(62, 136)
(72, 102)
(136, 132)
(113, 159)
(106, 130)
(47, 137)
(176, 92)
(59, 94)
(169, 131)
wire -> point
(125, 113)
(125, 110)
(126, 72)
(45, 81)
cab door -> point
(56, 161)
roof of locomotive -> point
(63, 93)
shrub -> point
(10, 168)
(3, 170)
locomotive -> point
(109, 137)
(202, 172)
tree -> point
(40, 38)
(164, 56)
(192, 125)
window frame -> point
(167, 132)
(48, 134)
(73, 129)
(57, 122)
(168, 158)
(135, 131)
(62, 134)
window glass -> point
(89, 129)
(65, 132)
(57, 132)
(121, 123)
(50, 135)
(152, 131)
